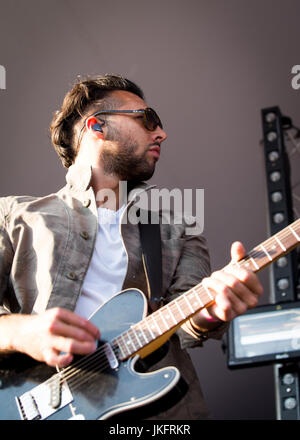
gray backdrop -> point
(208, 67)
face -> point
(129, 150)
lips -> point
(155, 150)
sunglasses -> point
(151, 119)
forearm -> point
(10, 330)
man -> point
(61, 259)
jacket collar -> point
(79, 178)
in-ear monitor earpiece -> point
(97, 127)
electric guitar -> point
(105, 383)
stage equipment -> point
(265, 335)
(280, 204)
(270, 334)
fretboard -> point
(185, 306)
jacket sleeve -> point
(6, 258)
(193, 265)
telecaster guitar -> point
(105, 383)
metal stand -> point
(287, 391)
(284, 284)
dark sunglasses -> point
(150, 118)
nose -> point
(159, 135)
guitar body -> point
(95, 387)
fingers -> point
(237, 251)
(227, 304)
(54, 358)
(235, 289)
(60, 350)
(232, 298)
(55, 335)
(69, 334)
(71, 325)
(237, 277)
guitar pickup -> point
(55, 387)
(111, 357)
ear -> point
(90, 124)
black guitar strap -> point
(151, 248)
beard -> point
(125, 163)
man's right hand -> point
(53, 336)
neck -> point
(107, 189)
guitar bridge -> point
(28, 407)
(41, 401)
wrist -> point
(204, 321)
(208, 316)
(11, 332)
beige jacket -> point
(46, 245)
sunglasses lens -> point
(152, 119)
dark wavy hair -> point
(83, 97)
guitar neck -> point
(171, 316)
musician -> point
(63, 255)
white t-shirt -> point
(108, 265)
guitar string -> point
(76, 379)
(93, 358)
(256, 252)
(100, 355)
(252, 254)
(283, 234)
(89, 361)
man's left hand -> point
(235, 289)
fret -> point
(163, 319)
(294, 233)
(254, 263)
(198, 297)
(175, 301)
(156, 325)
(146, 321)
(188, 303)
(136, 336)
(208, 293)
(266, 252)
(197, 303)
(125, 345)
(280, 244)
(170, 314)
(119, 344)
(143, 334)
(130, 341)
(247, 264)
